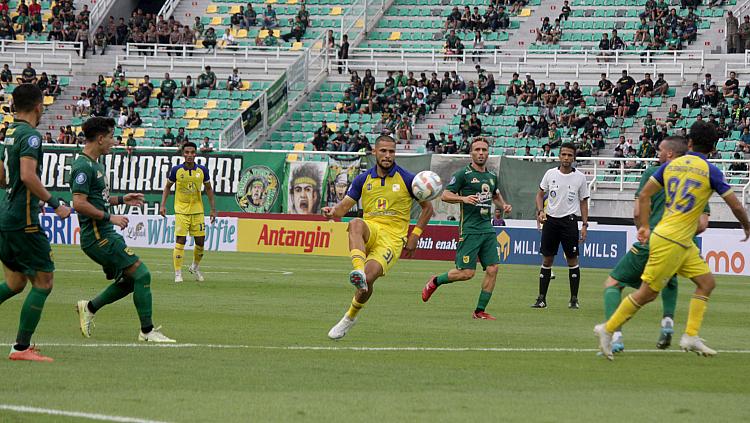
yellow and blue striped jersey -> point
(188, 184)
(385, 201)
(688, 183)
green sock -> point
(142, 296)
(31, 312)
(5, 292)
(484, 298)
(611, 301)
(112, 293)
(669, 297)
(442, 279)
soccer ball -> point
(427, 186)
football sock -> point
(669, 298)
(698, 306)
(442, 279)
(628, 307)
(611, 301)
(544, 277)
(5, 292)
(197, 254)
(112, 293)
(358, 259)
(142, 296)
(31, 312)
(484, 298)
(354, 308)
(574, 274)
(178, 254)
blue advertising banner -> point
(602, 249)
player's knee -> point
(491, 270)
(200, 241)
(610, 282)
(547, 261)
(356, 226)
(181, 240)
(466, 274)
(43, 280)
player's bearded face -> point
(479, 153)
(304, 198)
(385, 153)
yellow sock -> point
(197, 254)
(698, 306)
(358, 259)
(628, 307)
(177, 255)
(354, 309)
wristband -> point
(53, 204)
(105, 218)
(120, 200)
(585, 224)
(416, 231)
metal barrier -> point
(14, 59)
(257, 65)
(168, 8)
(176, 50)
(97, 15)
(58, 47)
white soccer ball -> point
(427, 186)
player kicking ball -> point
(688, 182)
(476, 189)
(629, 269)
(100, 242)
(188, 177)
(376, 241)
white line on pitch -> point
(89, 416)
(342, 348)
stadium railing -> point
(246, 52)
(49, 61)
(741, 68)
(7, 46)
(168, 8)
(98, 13)
(254, 65)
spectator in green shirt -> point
(168, 88)
(121, 86)
(209, 39)
(181, 137)
(271, 39)
(168, 139)
(207, 79)
(198, 27)
(130, 144)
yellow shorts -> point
(383, 247)
(189, 224)
(667, 258)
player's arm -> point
(211, 200)
(541, 216)
(584, 218)
(82, 206)
(35, 186)
(3, 177)
(340, 209)
(132, 199)
(644, 206)
(164, 196)
(424, 218)
(637, 213)
(739, 212)
(500, 202)
(453, 198)
(703, 223)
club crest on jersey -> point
(466, 259)
(81, 179)
(381, 203)
(396, 187)
(369, 187)
(474, 180)
(34, 141)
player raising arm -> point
(688, 182)
(476, 189)
(24, 249)
(188, 208)
(100, 242)
(376, 241)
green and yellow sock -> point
(5, 292)
(358, 259)
(442, 279)
(697, 309)
(112, 293)
(178, 254)
(484, 299)
(628, 307)
(611, 301)
(142, 297)
(354, 308)
(669, 298)
(31, 312)
(197, 254)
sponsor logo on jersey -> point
(34, 141)
(396, 187)
(81, 179)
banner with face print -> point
(305, 187)
(341, 173)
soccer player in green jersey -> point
(628, 271)
(24, 249)
(476, 189)
(91, 200)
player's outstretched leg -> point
(453, 275)
(6, 292)
(86, 310)
(612, 298)
(373, 270)
(142, 300)
(690, 340)
(669, 304)
(197, 257)
(31, 313)
(359, 234)
(488, 286)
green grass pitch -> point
(256, 319)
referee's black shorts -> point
(560, 230)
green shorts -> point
(473, 246)
(112, 254)
(629, 270)
(26, 251)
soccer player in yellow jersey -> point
(188, 209)
(688, 183)
(376, 241)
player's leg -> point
(198, 231)
(466, 263)
(359, 238)
(181, 229)
(697, 270)
(373, 270)
(669, 304)
(570, 247)
(12, 286)
(117, 290)
(550, 243)
(141, 277)
(489, 257)
(612, 297)
(31, 313)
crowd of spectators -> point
(496, 17)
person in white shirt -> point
(83, 106)
(567, 193)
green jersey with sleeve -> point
(20, 208)
(657, 201)
(475, 218)
(88, 177)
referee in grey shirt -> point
(567, 198)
